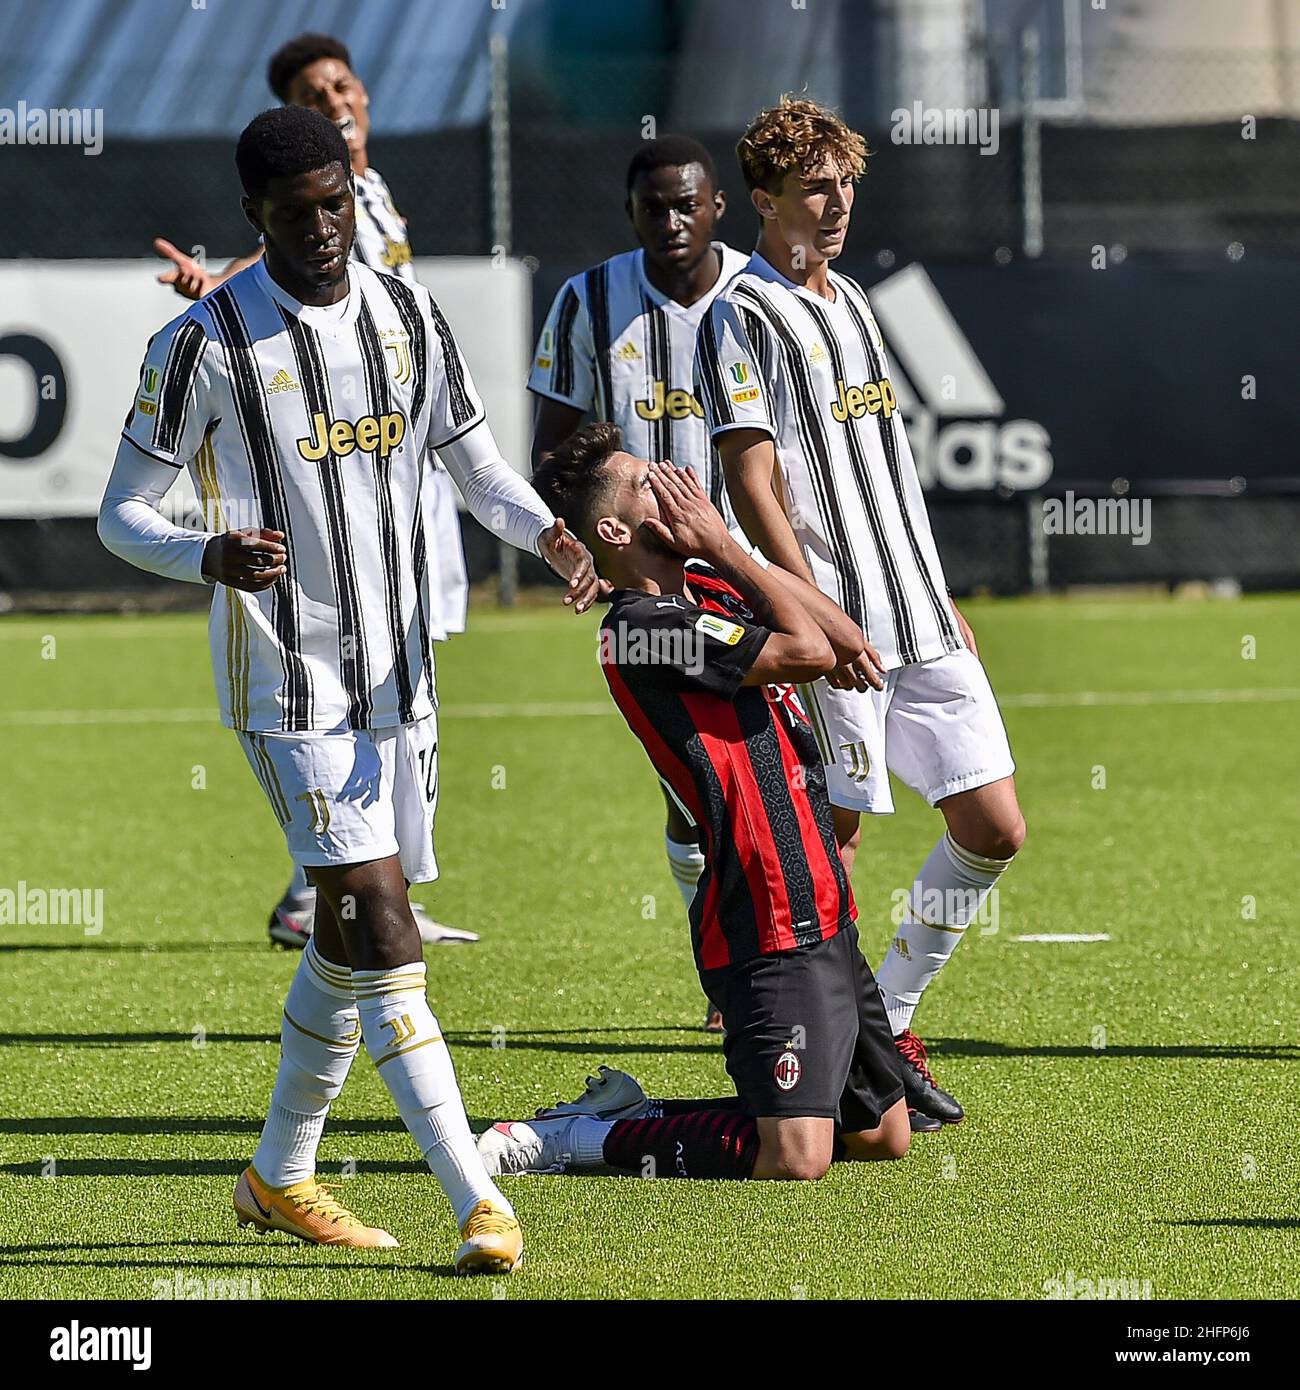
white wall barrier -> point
(73, 335)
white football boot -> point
(437, 933)
(609, 1095)
(527, 1146)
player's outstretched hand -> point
(187, 277)
(865, 672)
(688, 521)
(571, 560)
(251, 560)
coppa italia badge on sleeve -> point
(787, 1071)
(740, 377)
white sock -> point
(946, 897)
(686, 863)
(588, 1139)
(405, 1042)
(319, 1036)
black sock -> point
(702, 1144)
(690, 1107)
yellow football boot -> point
(493, 1242)
(306, 1210)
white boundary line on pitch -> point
(1069, 936)
(583, 709)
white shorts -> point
(352, 797)
(935, 726)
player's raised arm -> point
(797, 649)
(508, 506)
(749, 467)
(563, 373)
(188, 277)
(738, 404)
(553, 423)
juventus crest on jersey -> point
(617, 349)
(812, 373)
(314, 422)
(380, 240)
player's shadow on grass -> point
(176, 1168)
(128, 1039)
(262, 1246)
(174, 1124)
(144, 948)
(1258, 1223)
(978, 1047)
(525, 1040)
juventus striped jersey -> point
(617, 349)
(314, 422)
(380, 240)
(741, 760)
(812, 373)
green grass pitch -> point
(1131, 1103)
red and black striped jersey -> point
(740, 760)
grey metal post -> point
(499, 157)
(1031, 154)
(1039, 565)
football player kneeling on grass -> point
(699, 648)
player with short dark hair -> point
(309, 443)
(618, 345)
(699, 639)
(298, 54)
(315, 71)
(795, 384)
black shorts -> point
(807, 1034)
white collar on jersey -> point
(759, 265)
(331, 319)
(691, 310)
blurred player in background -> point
(319, 634)
(696, 656)
(619, 343)
(315, 71)
(796, 387)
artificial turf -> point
(1131, 1103)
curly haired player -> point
(794, 381)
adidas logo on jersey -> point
(372, 434)
(282, 381)
(817, 353)
(676, 404)
(628, 353)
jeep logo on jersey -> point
(675, 404)
(372, 434)
(853, 402)
(953, 411)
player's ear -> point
(763, 205)
(253, 214)
(719, 205)
(611, 531)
